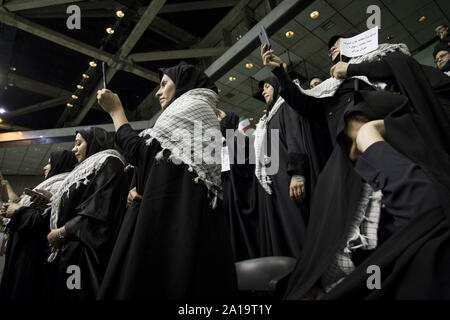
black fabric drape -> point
(416, 128)
(179, 247)
(61, 161)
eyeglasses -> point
(442, 56)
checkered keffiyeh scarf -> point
(362, 235)
(260, 147)
(51, 184)
(183, 128)
(329, 87)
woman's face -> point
(79, 150)
(165, 92)
(47, 168)
(268, 93)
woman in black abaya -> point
(28, 229)
(86, 213)
(179, 246)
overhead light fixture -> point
(251, 119)
(85, 76)
(219, 90)
(1, 120)
(13, 69)
(110, 30)
(249, 65)
(232, 78)
(69, 105)
(80, 87)
(120, 14)
(2, 111)
(75, 97)
(422, 18)
(289, 34)
(265, 110)
(93, 64)
(314, 15)
(11, 84)
(390, 37)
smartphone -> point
(264, 38)
(31, 193)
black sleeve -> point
(297, 159)
(407, 191)
(30, 219)
(305, 105)
(130, 145)
(102, 206)
(376, 70)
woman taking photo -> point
(178, 247)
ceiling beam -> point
(172, 32)
(17, 5)
(36, 86)
(37, 107)
(139, 29)
(76, 45)
(273, 21)
(7, 126)
(176, 54)
(198, 5)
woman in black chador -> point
(286, 180)
(179, 247)
(85, 219)
(28, 229)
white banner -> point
(361, 44)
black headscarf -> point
(60, 162)
(273, 81)
(442, 46)
(97, 140)
(230, 121)
(186, 77)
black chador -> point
(25, 257)
(283, 221)
(90, 205)
(177, 245)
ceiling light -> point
(232, 78)
(314, 14)
(2, 110)
(249, 65)
(251, 119)
(219, 90)
(289, 34)
(69, 105)
(120, 14)
(422, 18)
(74, 97)
(390, 37)
(110, 30)
(1, 120)
(11, 84)
(85, 76)
(265, 110)
(93, 64)
(13, 69)
(80, 87)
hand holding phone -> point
(264, 38)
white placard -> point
(225, 159)
(361, 44)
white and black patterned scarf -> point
(329, 87)
(260, 146)
(192, 109)
(51, 184)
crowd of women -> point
(362, 180)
